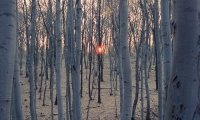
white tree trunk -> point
(7, 53)
(31, 67)
(167, 48)
(68, 54)
(76, 90)
(182, 102)
(158, 59)
(126, 66)
(58, 60)
(17, 90)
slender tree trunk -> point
(25, 11)
(68, 56)
(126, 66)
(31, 67)
(165, 35)
(143, 8)
(76, 90)
(58, 60)
(158, 61)
(17, 90)
(137, 78)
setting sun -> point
(99, 49)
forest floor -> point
(107, 110)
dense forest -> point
(99, 59)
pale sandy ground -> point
(107, 110)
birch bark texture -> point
(126, 66)
(7, 53)
(17, 96)
(30, 64)
(77, 102)
(182, 102)
(158, 60)
(167, 46)
(58, 59)
(68, 57)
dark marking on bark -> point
(9, 38)
(198, 64)
(7, 14)
(182, 108)
(174, 27)
(175, 78)
(2, 47)
(198, 109)
(172, 23)
(173, 111)
(74, 68)
(178, 118)
(174, 1)
(166, 92)
(198, 42)
(10, 25)
(178, 84)
(171, 27)
(199, 16)
(173, 116)
(198, 93)
(196, 113)
(177, 112)
(124, 47)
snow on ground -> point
(107, 110)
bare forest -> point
(99, 60)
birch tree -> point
(126, 66)
(68, 57)
(76, 88)
(158, 60)
(165, 36)
(17, 90)
(7, 59)
(16, 93)
(30, 64)
(182, 102)
(58, 60)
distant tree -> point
(76, 81)
(68, 56)
(158, 59)
(31, 62)
(7, 53)
(51, 53)
(182, 102)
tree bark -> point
(183, 100)
(30, 64)
(167, 47)
(58, 60)
(76, 90)
(126, 66)
(7, 59)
